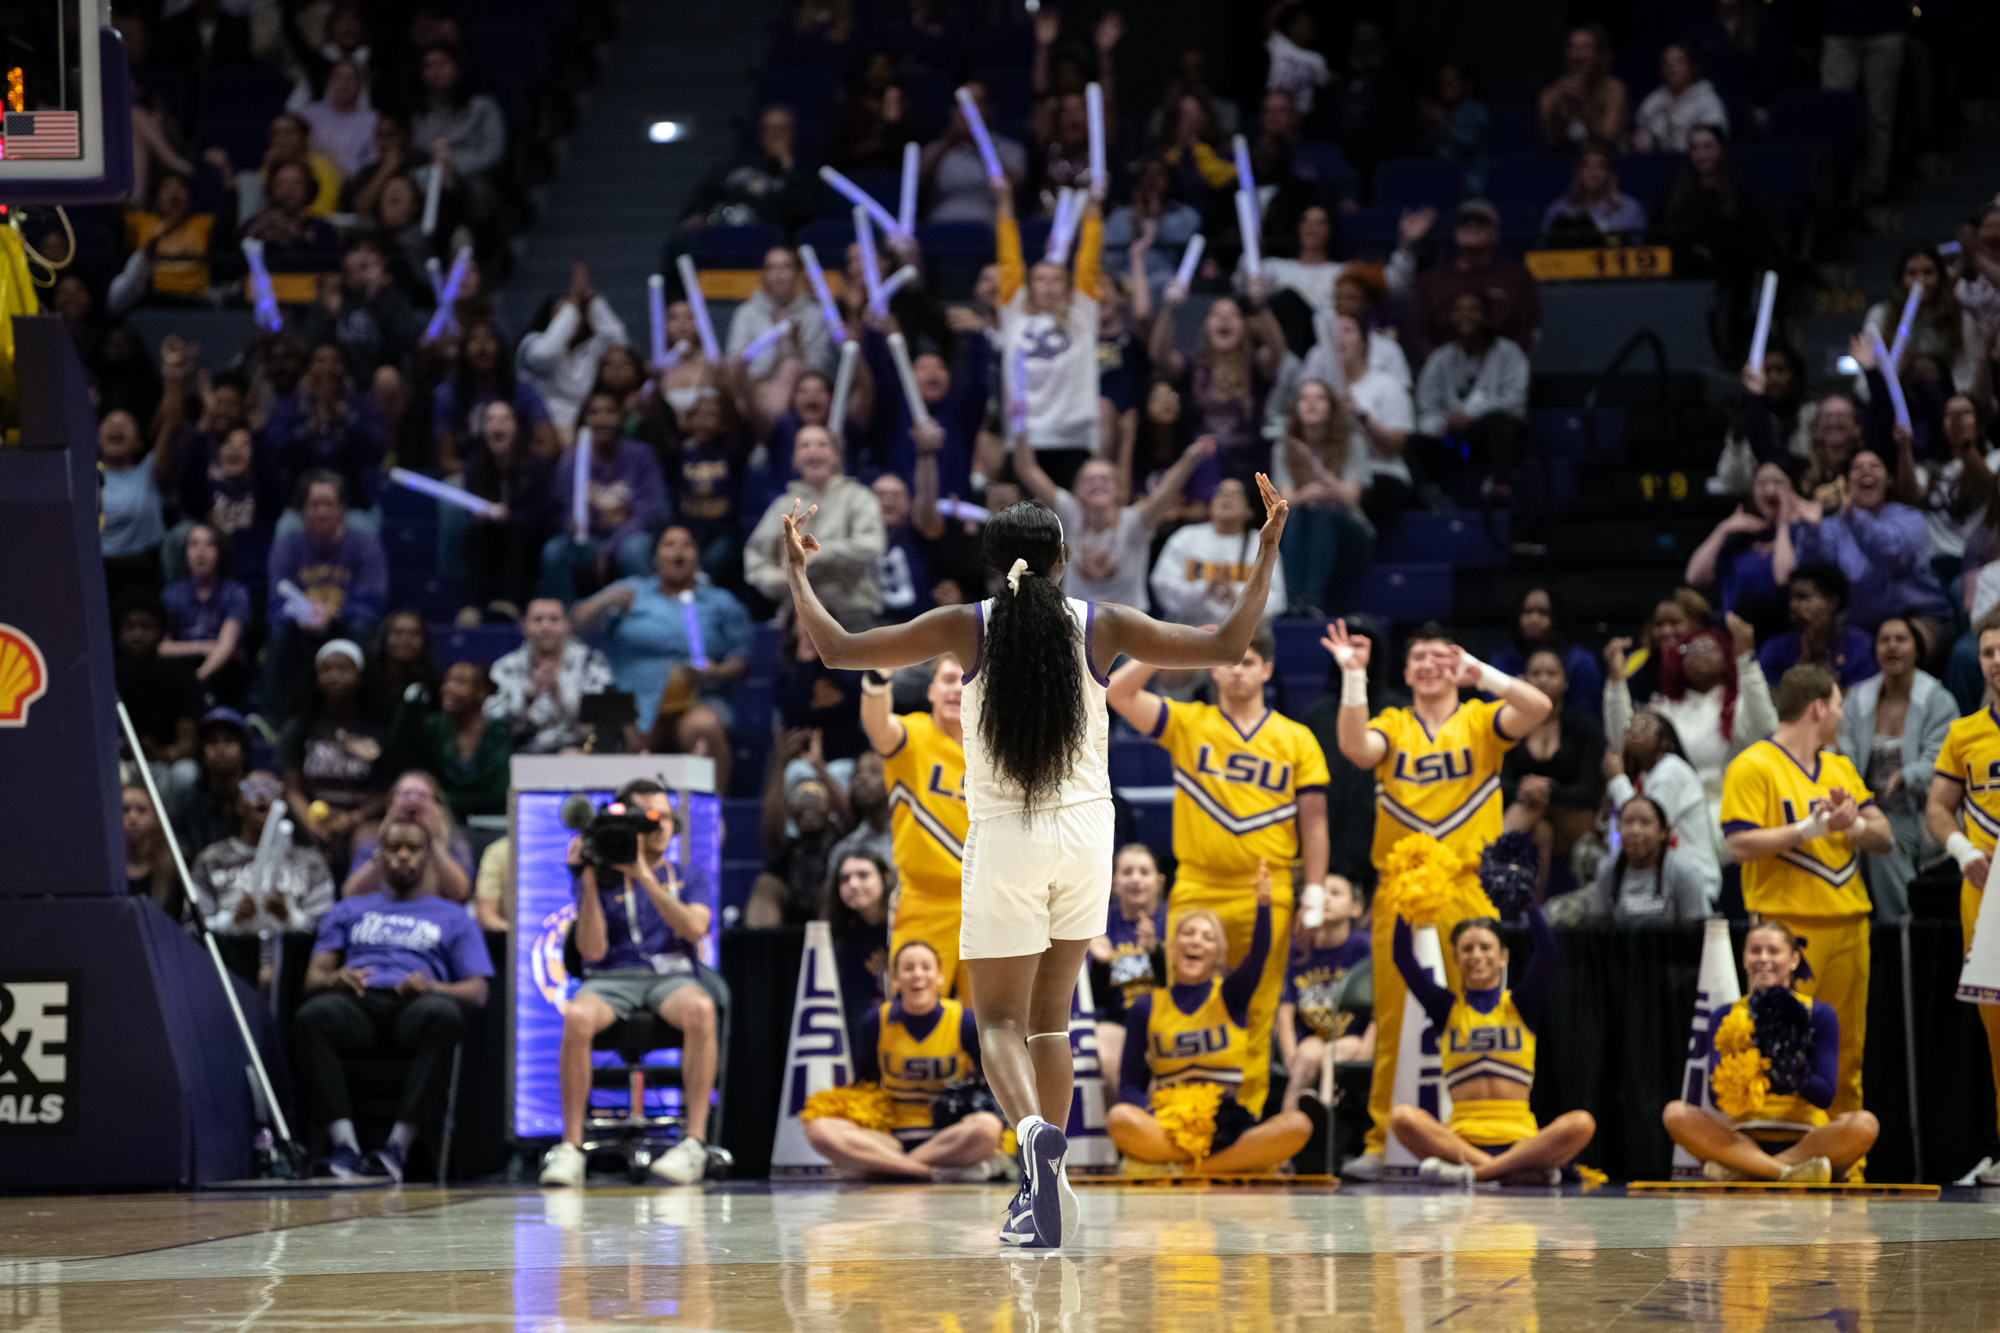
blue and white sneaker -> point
(1042, 1157)
(347, 1164)
(1019, 1228)
(386, 1160)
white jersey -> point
(1089, 777)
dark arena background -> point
(444, 887)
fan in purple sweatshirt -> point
(343, 573)
(627, 500)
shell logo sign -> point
(24, 676)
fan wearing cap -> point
(639, 928)
(205, 811)
(1475, 265)
(244, 888)
(335, 756)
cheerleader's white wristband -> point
(1813, 826)
(1353, 679)
(1490, 680)
(1962, 851)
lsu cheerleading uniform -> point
(1816, 888)
(1486, 1034)
(1779, 1121)
(1446, 785)
(1971, 758)
(1132, 969)
(926, 780)
(1034, 877)
(1236, 804)
(1313, 984)
(1195, 1033)
(918, 1056)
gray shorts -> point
(631, 991)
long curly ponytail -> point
(1031, 719)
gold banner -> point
(1628, 261)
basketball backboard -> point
(66, 127)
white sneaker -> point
(1987, 1176)
(1366, 1168)
(1720, 1174)
(1812, 1171)
(1450, 1175)
(976, 1174)
(684, 1164)
(1066, 1199)
(563, 1166)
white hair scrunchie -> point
(1014, 574)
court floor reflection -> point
(888, 1260)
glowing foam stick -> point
(265, 299)
(1766, 302)
(435, 272)
(579, 500)
(1244, 180)
(656, 309)
(892, 284)
(452, 495)
(828, 311)
(764, 341)
(1889, 377)
(906, 211)
(691, 621)
(871, 268)
(302, 609)
(977, 124)
(1246, 219)
(1093, 102)
(899, 348)
(697, 303)
(445, 320)
(843, 380)
(860, 198)
(960, 509)
(1063, 230)
(1903, 328)
(1017, 396)
(1190, 261)
(432, 193)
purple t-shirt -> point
(1131, 967)
(637, 935)
(431, 935)
(191, 619)
(1312, 982)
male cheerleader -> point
(1437, 772)
(1797, 815)
(1964, 816)
(1249, 790)
(923, 764)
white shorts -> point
(1027, 883)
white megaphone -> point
(1979, 978)
(816, 1056)
(1717, 990)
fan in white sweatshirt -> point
(559, 366)
(1203, 567)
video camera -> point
(611, 831)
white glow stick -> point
(899, 348)
(1766, 302)
(1246, 219)
(261, 293)
(764, 341)
(675, 353)
(1244, 180)
(691, 621)
(302, 609)
(1062, 230)
(906, 211)
(1093, 102)
(843, 380)
(1903, 327)
(432, 193)
(960, 509)
(1017, 396)
(977, 124)
(691, 281)
(828, 311)
(656, 310)
(860, 198)
(438, 490)
(579, 500)
(1190, 261)
(446, 320)
(891, 285)
(1888, 368)
(435, 272)
(871, 267)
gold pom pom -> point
(1737, 1033)
(1423, 882)
(1739, 1083)
(865, 1104)
(1186, 1111)
(1590, 1176)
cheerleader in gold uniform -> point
(1487, 1040)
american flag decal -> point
(32, 135)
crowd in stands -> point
(1378, 362)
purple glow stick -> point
(438, 490)
(906, 212)
(1766, 302)
(1093, 104)
(1888, 368)
(960, 509)
(1246, 220)
(864, 236)
(860, 198)
(691, 283)
(446, 319)
(764, 341)
(899, 350)
(1057, 251)
(1244, 180)
(1903, 327)
(261, 293)
(435, 272)
(977, 124)
(656, 309)
(892, 284)
(843, 380)
(691, 621)
(579, 500)
(1190, 260)
(1017, 396)
(828, 311)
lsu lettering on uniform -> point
(1816, 889)
(1778, 1116)
(1236, 805)
(926, 780)
(1971, 758)
(1445, 785)
(1206, 1046)
(918, 1057)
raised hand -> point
(1275, 512)
(1350, 650)
(1743, 635)
(1414, 225)
(1462, 672)
(798, 544)
(1614, 656)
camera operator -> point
(640, 945)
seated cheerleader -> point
(1185, 1044)
(1489, 1065)
(1777, 1126)
(1323, 1001)
(922, 1045)
(1128, 947)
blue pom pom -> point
(1509, 867)
(1783, 1033)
